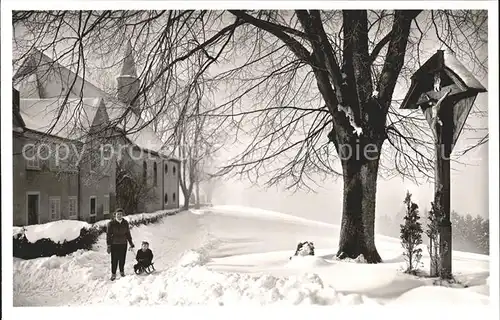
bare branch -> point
(299, 50)
(380, 45)
(395, 54)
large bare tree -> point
(303, 87)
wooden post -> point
(449, 100)
(443, 147)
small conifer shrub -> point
(411, 236)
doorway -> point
(93, 208)
(33, 207)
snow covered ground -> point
(228, 255)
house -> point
(75, 156)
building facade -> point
(74, 163)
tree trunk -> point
(186, 202)
(197, 204)
(357, 234)
(188, 193)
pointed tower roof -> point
(128, 67)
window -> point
(93, 206)
(105, 210)
(166, 168)
(173, 198)
(72, 207)
(166, 198)
(94, 154)
(30, 154)
(55, 208)
(173, 170)
(54, 160)
(68, 160)
(94, 161)
(144, 170)
(155, 174)
(107, 156)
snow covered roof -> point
(39, 111)
(456, 74)
(141, 135)
(73, 122)
(451, 63)
(39, 76)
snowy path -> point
(82, 277)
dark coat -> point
(118, 233)
(144, 256)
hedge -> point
(46, 247)
(88, 237)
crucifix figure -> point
(437, 82)
(436, 106)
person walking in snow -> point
(117, 236)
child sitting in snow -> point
(144, 256)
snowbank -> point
(199, 212)
(191, 283)
(441, 296)
(57, 231)
(17, 231)
(193, 258)
(306, 262)
(265, 214)
(82, 276)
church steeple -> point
(128, 67)
(128, 83)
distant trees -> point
(209, 186)
(469, 234)
(196, 139)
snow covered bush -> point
(411, 236)
(146, 220)
(46, 247)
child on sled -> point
(144, 258)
